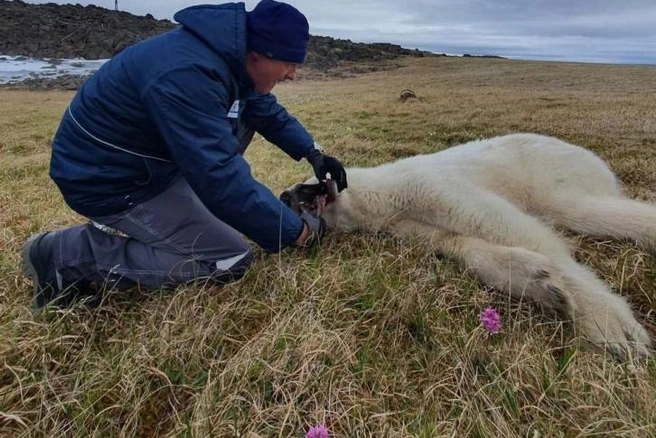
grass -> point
(373, 336)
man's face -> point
(266, 72)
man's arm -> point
(270, 119)
(190, 110)
(277, 126)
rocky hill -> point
(70, 31)
(91, 32)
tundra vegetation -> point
(371, 335)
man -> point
(150, 150)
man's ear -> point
(254, 56)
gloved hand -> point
(317, 228)
(327, 167)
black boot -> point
(37, 258)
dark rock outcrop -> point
(71, 31)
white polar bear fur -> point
(491, 204)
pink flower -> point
(317, 432)
(490, 320)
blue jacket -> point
(166, 106)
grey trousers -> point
(171, 239)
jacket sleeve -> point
(276, 125)
(190, 110)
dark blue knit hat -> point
(278, 30)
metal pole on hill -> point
(116, 5)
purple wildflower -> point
(317, 432)
(490, 320)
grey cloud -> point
(584, 30)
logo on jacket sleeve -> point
(233, 113)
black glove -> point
(317, 228)
(327, 167)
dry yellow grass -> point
(375, 337)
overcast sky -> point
(607, 31)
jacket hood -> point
(222, 28)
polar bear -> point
(493, 205)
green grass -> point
(373, 336)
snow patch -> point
(15, 69)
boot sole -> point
(28, 268)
